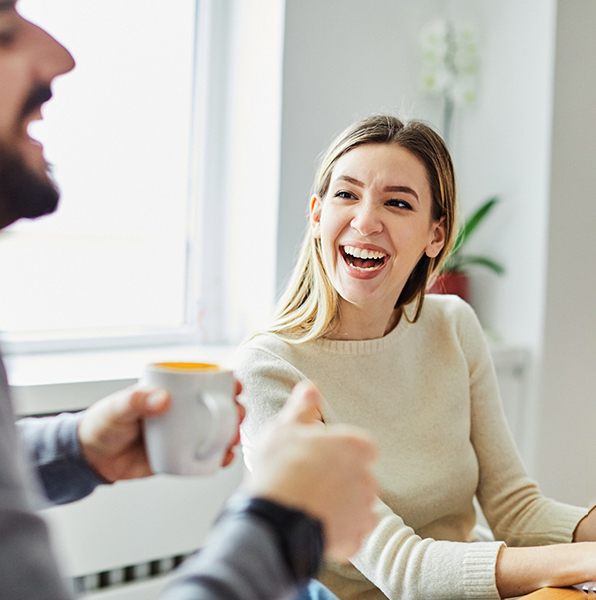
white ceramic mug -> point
(192, 437)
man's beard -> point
(23, 193)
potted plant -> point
(453, 278)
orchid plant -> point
(450, 66)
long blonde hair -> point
(309, 305)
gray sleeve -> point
(53, 447)
(241, 561)
(28, 570)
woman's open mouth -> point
(362, 259)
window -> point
(115, 259)
(166, 143)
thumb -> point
(131, 405)
(303, 405)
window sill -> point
(54, 382)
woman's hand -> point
(522, 570)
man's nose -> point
(53, 59)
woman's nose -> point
(366, 221)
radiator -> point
(126, 538)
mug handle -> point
(223, 415)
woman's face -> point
(375, 224)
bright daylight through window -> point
(113, 259)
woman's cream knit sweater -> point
(427, 392)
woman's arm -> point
(515, 508)
(404, 565)
(513, 504)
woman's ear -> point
(437, 241)
(315, 216)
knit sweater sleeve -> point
(513, 504)
(405, 566)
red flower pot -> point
(451, 282)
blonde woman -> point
(417, 373)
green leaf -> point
(472, 222)
(493, 265)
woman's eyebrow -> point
(402, 188)
(351, 180)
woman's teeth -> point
(363, 253)
(362, 259)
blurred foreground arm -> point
(73, 453)
(315, 480)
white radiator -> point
(125, 538)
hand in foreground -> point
(323, 471)
(111, 432)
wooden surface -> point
(558, 594)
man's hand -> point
(111, 432)
(324, 471)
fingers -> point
(241, 411)
(229, 458)
(358, 440)
(131, 405)
(303, 405)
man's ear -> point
(437, 241)
(315, 215)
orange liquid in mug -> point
(187, 366)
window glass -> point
(113, 258)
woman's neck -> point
(357, 323)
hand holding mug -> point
(111, 431)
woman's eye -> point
(344, 194)
(399, 204)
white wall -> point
(566, 443)
(502, 147)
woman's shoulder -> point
(267, 348)
(266, 342)
(446, 306)
(451, 313)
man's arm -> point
(28, 570)
(73, 453)
(54, 450)
(243, 559)
(311, 491)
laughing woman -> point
(415, 371)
